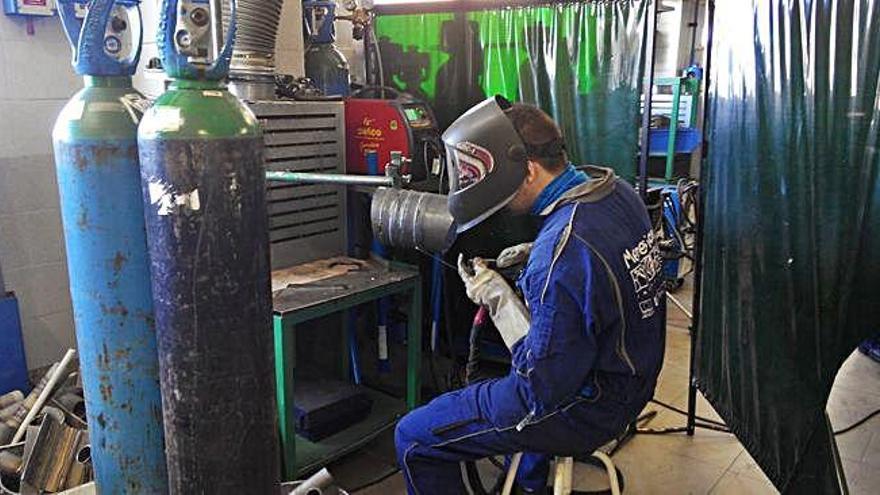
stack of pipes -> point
(44, 443)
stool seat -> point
(563, 477)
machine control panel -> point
(419, 116)
(386, 126)
(42, 8)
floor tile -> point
(854, 446)
(732, 484)
(862, 478)
(652, 467)
(746, 466)
(391, 486)
(871, 455)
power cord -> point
(684, 413)
(680, 429)
(704, 423)
(711, 424)
(857, 423)
(384, 476)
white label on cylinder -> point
(105, 106)
(162, 119)
(74, 110)
(169, 201)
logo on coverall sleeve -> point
(644, 262)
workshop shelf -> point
(296, 301)
(386, 410)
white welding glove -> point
(514, 255)
(488, 288)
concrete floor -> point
(709, 462)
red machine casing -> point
(378, 125)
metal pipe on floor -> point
(680, 306)
(12, 416)
(9, 463)
(11, 398)
(44, 394)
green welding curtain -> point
(792, 223)
(580, 61)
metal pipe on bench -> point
(335, 179)
(393, 177)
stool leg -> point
(612, 471)
(511, 474)
(562, 480)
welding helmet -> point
(486, 160)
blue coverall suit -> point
(589, 362)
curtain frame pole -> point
(649, 35)
(701, 218)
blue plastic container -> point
(686, 140)
(13, 366)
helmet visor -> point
(469, 164)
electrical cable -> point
(432, 368)
(680, 429)
(857, 423)
(376, 480)
(378, 54)
(684, 413)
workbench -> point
(300, 303)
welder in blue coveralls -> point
(587, 341)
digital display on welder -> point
(414, 114)
(418, 117)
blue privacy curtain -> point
(791, 280)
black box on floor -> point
(325, 407)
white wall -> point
(668, 30)
(289, 45)
(352, 49)
(151, 85)
(674, 37)
(36, 79)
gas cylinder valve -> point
(193, 34)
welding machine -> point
(402, 124)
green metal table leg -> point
(414, 349)
(345, 363)
(673, 131)
(285, 363)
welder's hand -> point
(480, 281)
(514, 255)
(486, 287)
